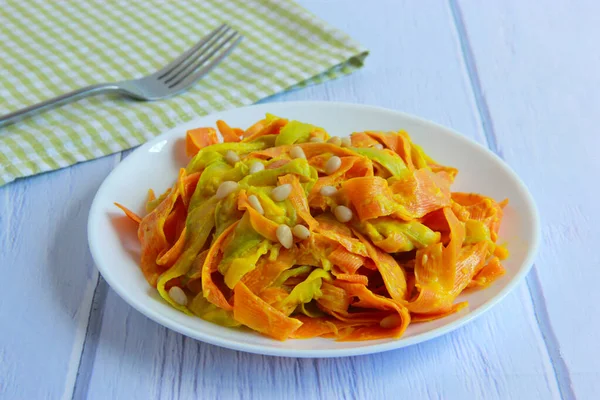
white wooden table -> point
(521, 77)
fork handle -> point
(57, 101)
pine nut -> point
(333, 164)
(281, 192)
(225, 189)
(231, 157)
(334, 140)
(178, 295)
(284, 235)
(297, 152)
(253, 200)
(391, 321)
(316, 139)
(342, 213)
(328, 191)
(346, 142)
(378, 146)
(256, 167)
(301, 232)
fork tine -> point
(194, 60)
(185, 82)
(176, 62)
(225, 46)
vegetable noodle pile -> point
(296, 234)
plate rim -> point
(95, 214)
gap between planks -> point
(85, 344)
(534, 287)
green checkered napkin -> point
(49, 48)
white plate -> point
(115, 249)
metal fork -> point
(176, 77)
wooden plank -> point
(538, 77)
(415, 66)
(48, 279)
(489, 359)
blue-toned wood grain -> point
(48, 279)
(540, 84)
(416, 66)
(137, 358)
(520, 77)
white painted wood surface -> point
(539, 88)
(516, 76)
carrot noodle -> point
(410, 248)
